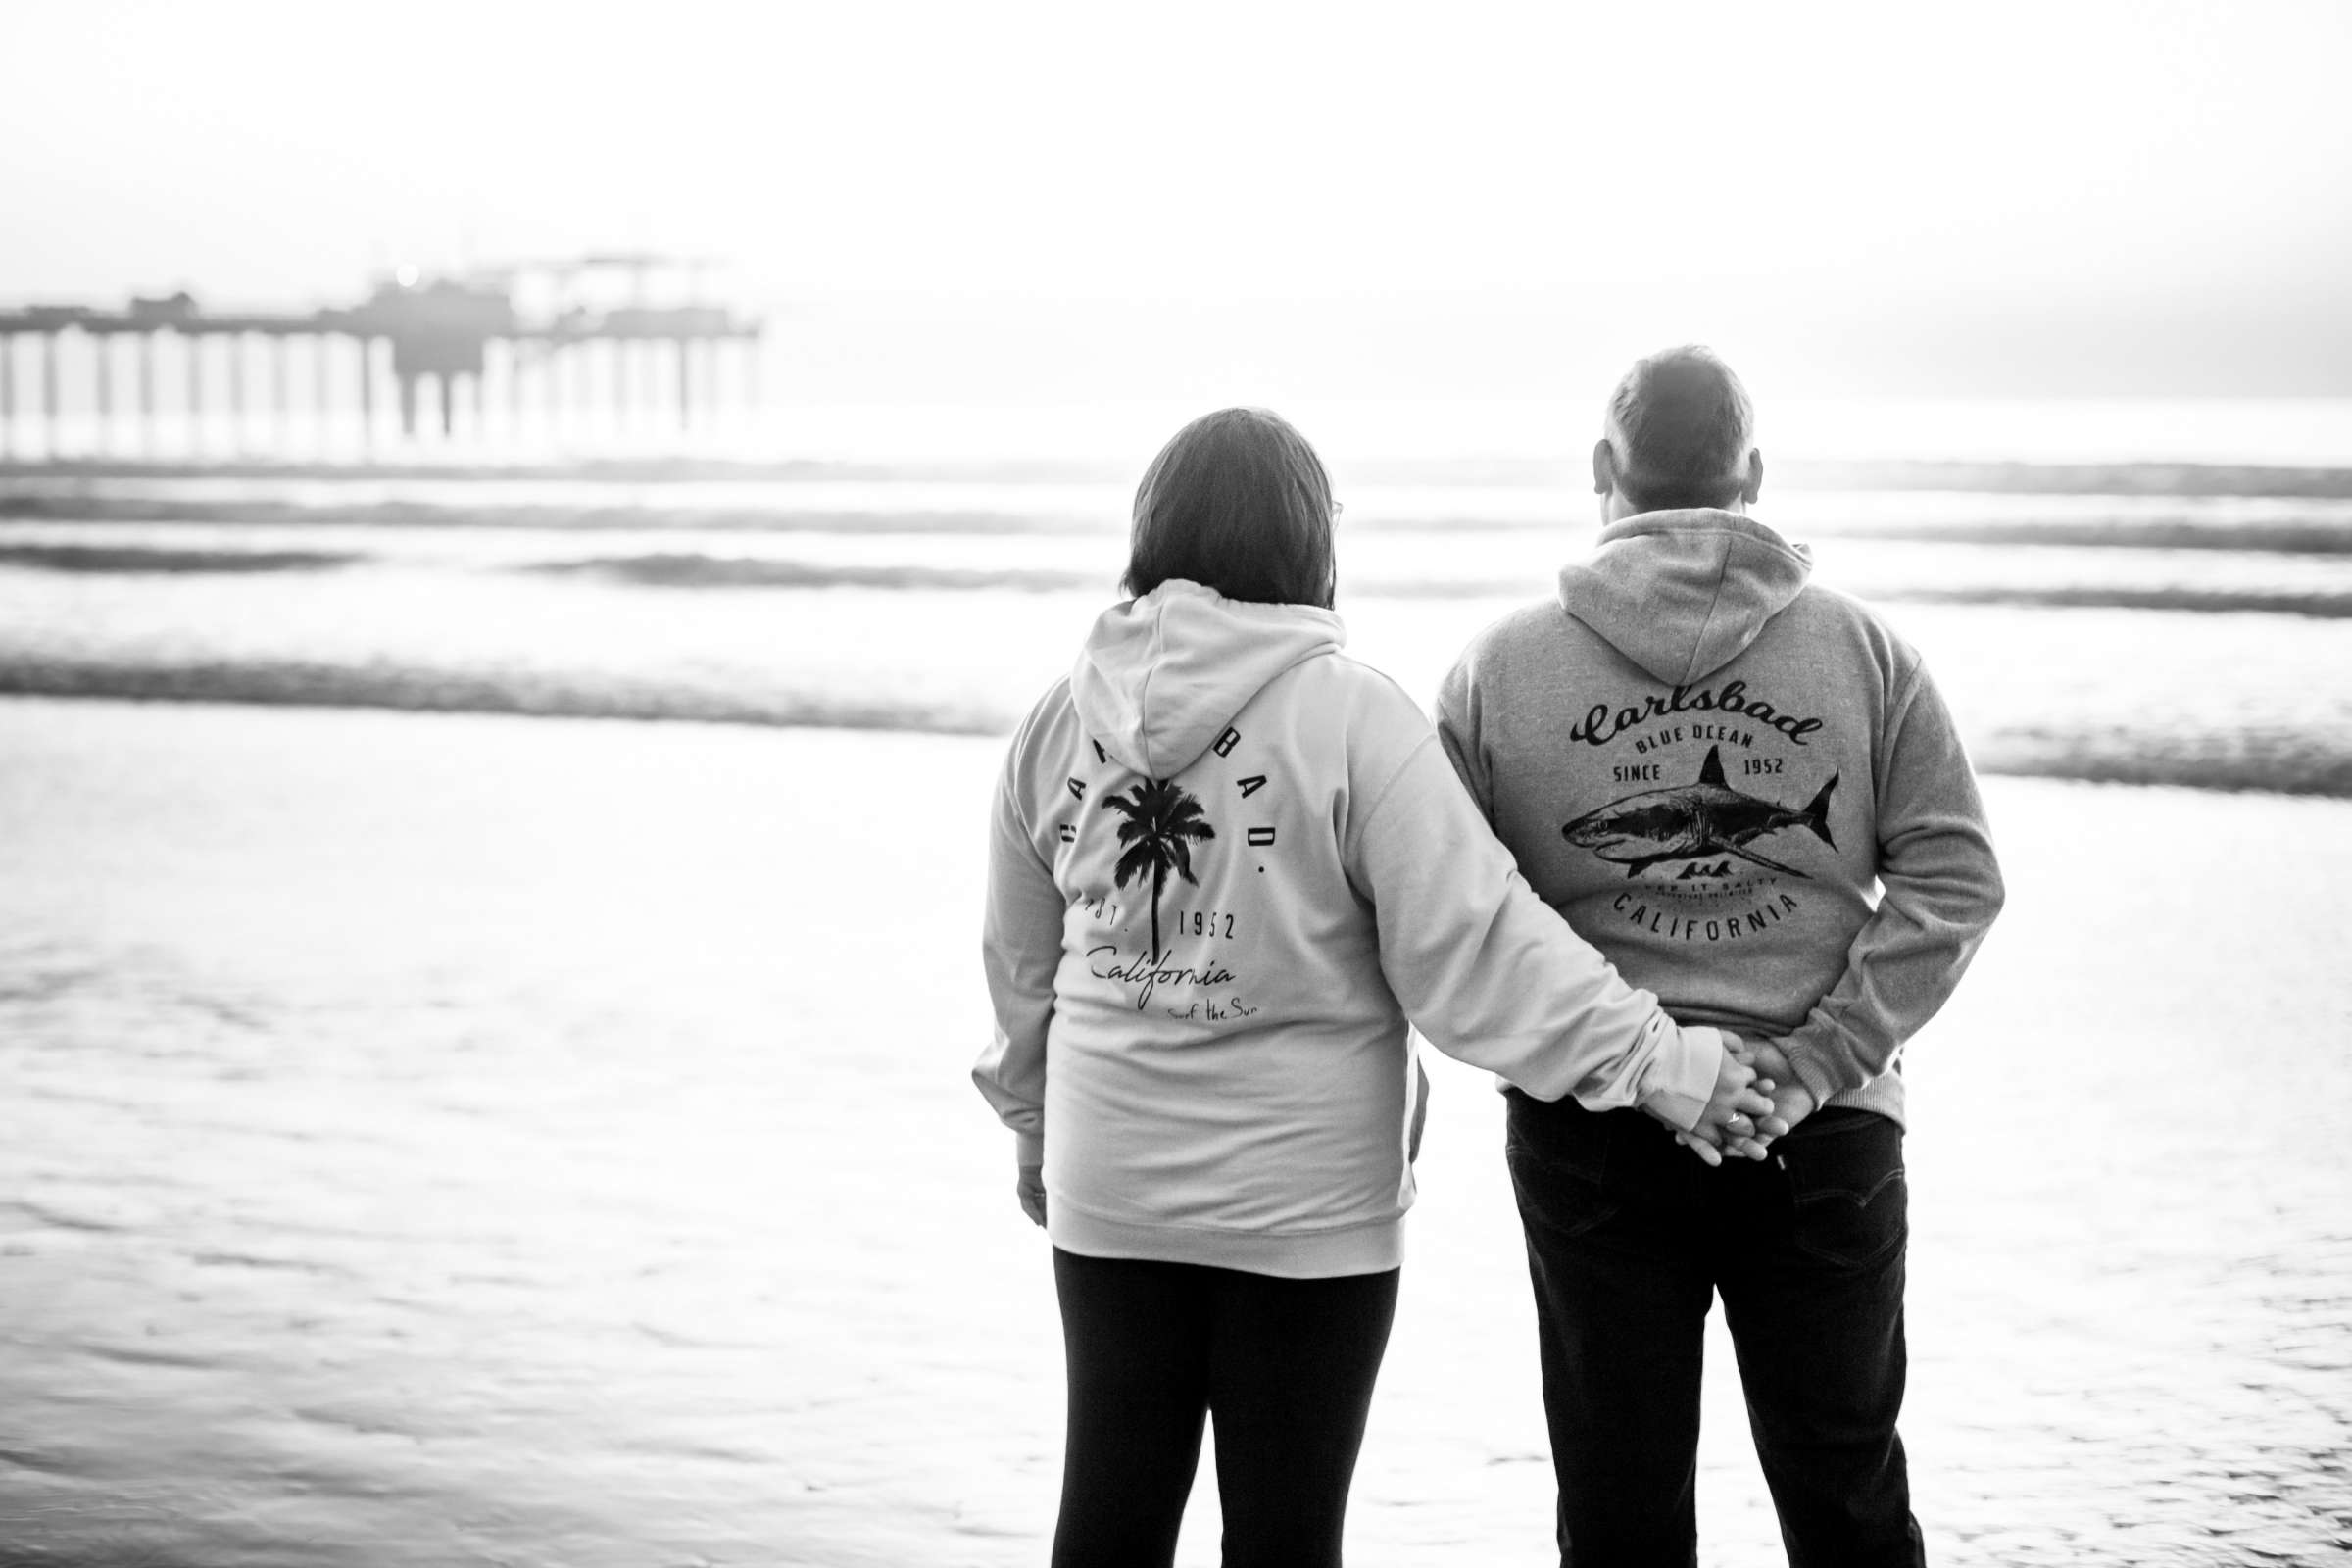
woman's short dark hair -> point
(1240, 502)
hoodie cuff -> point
(1815, 1069)
(1683, 1078)
(1028, 1150)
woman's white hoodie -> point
(1228, 865)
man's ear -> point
(1604, 466)
(1756, 476)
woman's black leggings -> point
(1284, 1366)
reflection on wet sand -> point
(444, 1139)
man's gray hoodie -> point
(1739, 785)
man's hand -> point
(1031, 1190)
(1792, 1101)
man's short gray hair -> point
(1682, 426)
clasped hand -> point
(1757, 1099)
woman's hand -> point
(1740, 1116)
(1031, 1190)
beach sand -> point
(441, 1140)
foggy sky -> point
(1985, 199)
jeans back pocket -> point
(1845, 1181)
(1558, 1156)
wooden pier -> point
(410, 337)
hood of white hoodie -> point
(1161, 677)
(1682, 593)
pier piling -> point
(277, 383)
(447, 328)
(102, 377)
(515, 392)
(322, 388)
(236, 390)
(193, 347)
(49, 388)
(366, 391)
(146, 358)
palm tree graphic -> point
(1160, 819)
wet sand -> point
(443, 1140)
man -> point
(1743, 788)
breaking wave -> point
(704, 571)
(536, 693)
(2269, 526)
(694, 570)
(1992, 478)
(587, 516)
(2325, 604)
(2277, 761)
(636, 592)
(2320, 534)
(152, 558)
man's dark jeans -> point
(1629, 1237)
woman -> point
(1228, 865)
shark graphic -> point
(1708, 817)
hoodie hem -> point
(1882, 1095)
(1372, 1248)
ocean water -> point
(2153, 593)
(475, 1136)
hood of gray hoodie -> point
(1163, 675)
(1682, 593)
